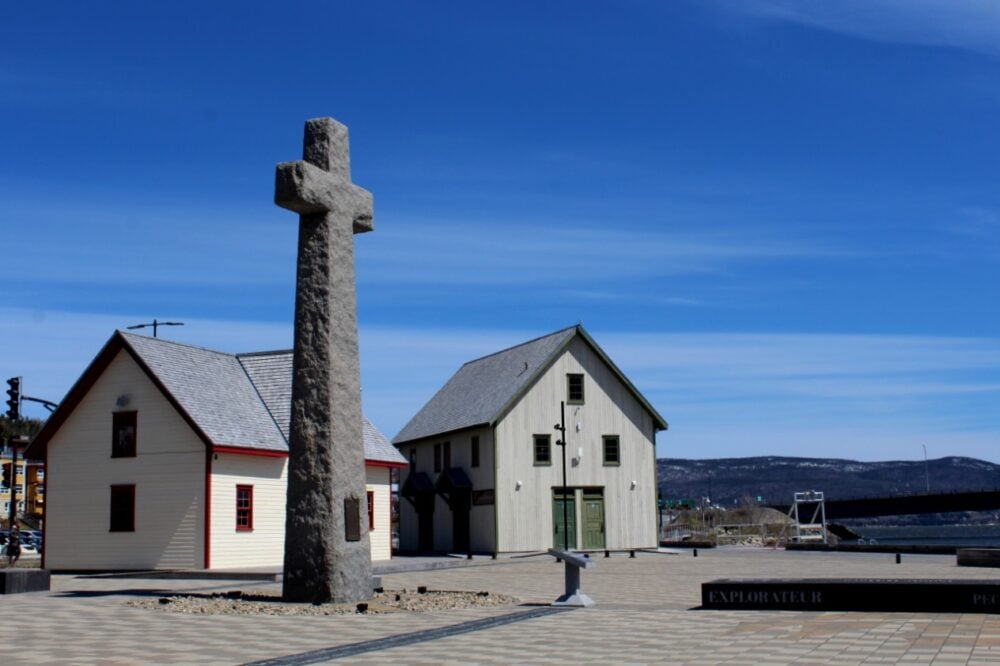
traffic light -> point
(14, 399)
(6, 482)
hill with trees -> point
(774, 479)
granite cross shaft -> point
(327, 556)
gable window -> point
(437, 457)
(446, 448)
(543, 449)
(123, 434)
(474, 462)
(413, 460)
(612, 450)
(574, 389)
(371, 510)
(244, 508)
(123, 508)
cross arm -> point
(307, 189)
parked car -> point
(27, 550)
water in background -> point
(938, 535)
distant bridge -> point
(898, 505)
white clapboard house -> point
(166, 456)
(485, 472)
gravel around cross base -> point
(391, 601)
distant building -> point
(165, 455)
(485, 471)
(30, 483)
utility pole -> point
(14, 414)
(12, 513)
(927, 470)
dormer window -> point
(574, 389)
(123, 434)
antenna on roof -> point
(156, 324)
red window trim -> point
(247, 510)
(371, 510)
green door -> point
(563, 526)
(593, 520)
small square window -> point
(543, 449)
(123, 434)
(574, 389)
(123, 508)
(612, 450)
(244, 508)
(475, 451)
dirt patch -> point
(256, 603)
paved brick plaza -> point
(643, 615)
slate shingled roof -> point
(213, 389)
(271, 374)
(480, 389)
(233, 400)
(483, 390)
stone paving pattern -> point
(644, 614)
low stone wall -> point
(853, 594)
(15, 581)
(978, 557)
(913, 549)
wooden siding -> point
(377, 481)
(482, 524)
(263, 546)
(524, 516)
(168, 472)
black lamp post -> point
(561, 427)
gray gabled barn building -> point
(485, 471)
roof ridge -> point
(532, 341)
(127, 335)
(256, 390)
(274, 352)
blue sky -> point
(781, 219)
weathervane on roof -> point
(156, 324)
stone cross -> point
(327, 556)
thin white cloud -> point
(160, 242)
(488, 252)
(972, 25)
(977, 232)
(724, 394)
(50, 349)
(895, 441)
(800, 354)
(152, 242)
